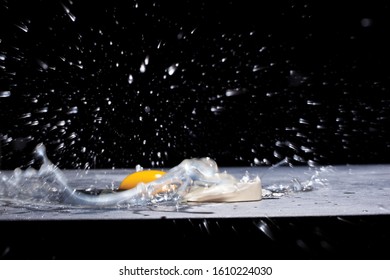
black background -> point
(255, 82)
(301, 238)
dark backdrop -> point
(118, 83)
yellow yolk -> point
(144, 176)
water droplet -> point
(67, 11)
(25, 116)
(72, 17)
(265, 228)
(366, 22)
(138, 168)
(313, 103)
(306, 149)
(171, 70)
(5, 93)
(232, 92)
(22, 27)
(43, 110)
(73, 110)
(142, 69)
(216, 109)
(303, 121)
(298, 158)
(73, 135)
(257, 68)
(130, 79)
(277, 154)
(43, 65)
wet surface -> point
(355, 190)
(346, 218)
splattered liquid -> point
(50, 186)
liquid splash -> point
(192, 180)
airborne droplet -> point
(171, 70)
(142, 69)
(5, 93)
(130, 79)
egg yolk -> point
(135, 178)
